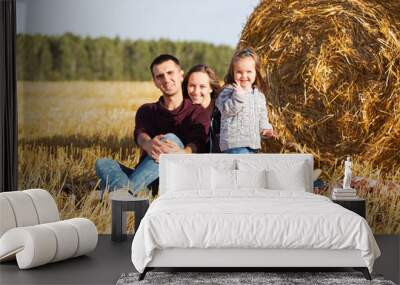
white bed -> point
(215, 211)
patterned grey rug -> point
(270, 278)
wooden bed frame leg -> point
(364, 271)
(143, 274)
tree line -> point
(72, 57)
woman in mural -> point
(201, 85)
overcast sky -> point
(215, 21)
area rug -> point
(242, 278)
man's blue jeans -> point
(117, 176)
(240, 150)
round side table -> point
(122, 202)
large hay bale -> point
(332, 74)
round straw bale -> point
(332, 76)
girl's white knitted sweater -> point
(243, 117)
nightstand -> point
(357, 205)
(121, 203)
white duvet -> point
(252, 218)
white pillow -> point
(223, 179)
(281, 174)
(229, 179)
(293, 178)
(251, 178)
(183, 177)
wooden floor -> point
(110, 259)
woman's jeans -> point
(117, 176)
(240, 150)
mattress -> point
(250, 219)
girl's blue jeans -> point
(240, 150)
(116, 176)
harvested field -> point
(65, 126)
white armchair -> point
(31, 230)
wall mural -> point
(331, 76)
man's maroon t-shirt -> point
(189, 122)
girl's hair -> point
(243, 53)
(214, 82)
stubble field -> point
(64, 127)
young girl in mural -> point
(244, 115)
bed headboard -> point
(232, 161)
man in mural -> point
(170, 125)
